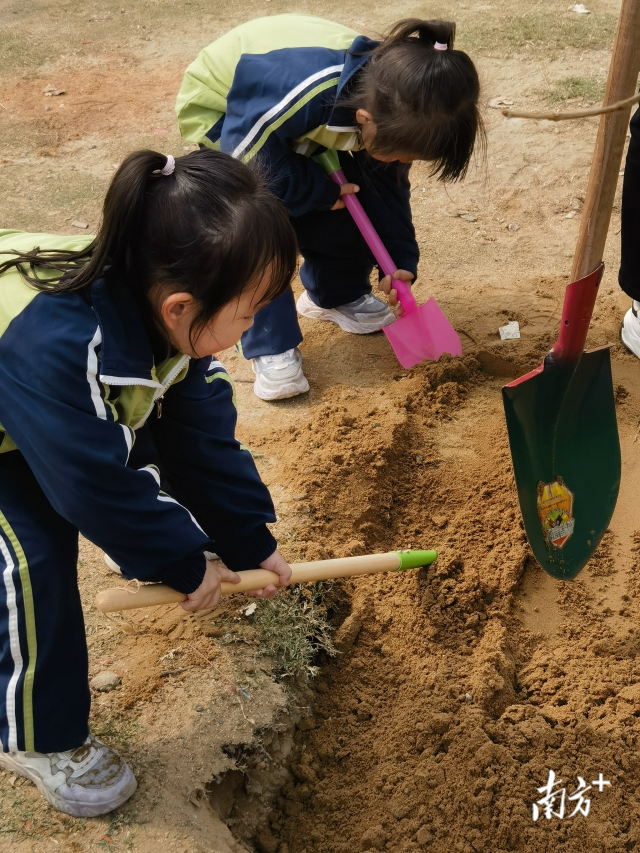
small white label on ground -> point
(510, 332)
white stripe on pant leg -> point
(14, 643)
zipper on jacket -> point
(159, 408)
(157, 397)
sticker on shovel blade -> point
(555, 509)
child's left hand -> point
(386, 284)
(275, 563)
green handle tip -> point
(415, 559)
(329, 160)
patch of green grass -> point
(293, 627)
(588, 88)
(538, 31)
(118, 729)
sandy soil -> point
(459, 687)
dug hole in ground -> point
(455, 689)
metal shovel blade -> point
(566, 457)
(425, 333)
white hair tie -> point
(439, 46)
(169, 166)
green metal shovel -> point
(564, 442)
(561, 417)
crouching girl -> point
(116, 422)
(278, 91)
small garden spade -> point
(423, 332)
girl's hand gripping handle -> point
(403, 302)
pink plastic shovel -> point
(423, 331)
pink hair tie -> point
(169, 166)
(439, 46)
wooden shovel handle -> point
(605, 166)
(149, 595)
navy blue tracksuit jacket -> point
(82, 449)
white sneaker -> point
(279, 376)
(630, 329)
(112, 564)
(362, 317)
(84, 782)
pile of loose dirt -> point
(447, 709)
(354, 463)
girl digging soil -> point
(284, 88)
(103, 342)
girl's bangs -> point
(267, 240)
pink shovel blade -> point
(425, 333)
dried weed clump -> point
(588, 88)
(294, 628)
(115, 728)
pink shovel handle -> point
(376, 245)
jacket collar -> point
(356, 57)
(126, 353)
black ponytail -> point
(211, 229)
(428, 32)
(423, 98)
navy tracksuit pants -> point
(44, 690)
(337, 261)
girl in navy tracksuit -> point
(279, 90)
(117, 422)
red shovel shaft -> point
(374, 242)
(579, 299)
